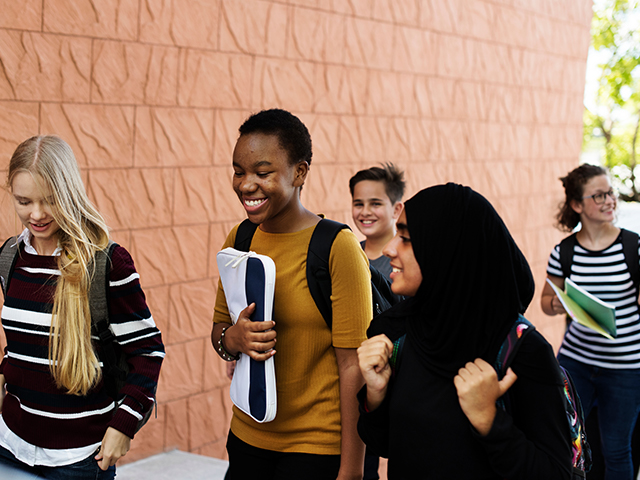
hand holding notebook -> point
(586, 309)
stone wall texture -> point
(150, 93)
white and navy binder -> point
(248, 277)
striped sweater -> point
(34, 408)
(604, 274)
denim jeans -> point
(617, 394)
(86, 469)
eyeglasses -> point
(600, 198)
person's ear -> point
(300, 173)
(576, 206)
(397, 209)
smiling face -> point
(588, 210)
(33, 204)
(372, 210)
(406, 274)
(266, 182)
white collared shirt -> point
(25, 237)
(46, 457)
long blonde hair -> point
(51, 162)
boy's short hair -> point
(392, 178)
(292, 134)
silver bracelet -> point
(226, 356)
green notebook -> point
(586, 309)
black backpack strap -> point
(318, 275)
(396, 354)
(566, 254)
(8, 258)
(630, 250)
(381, 294)
(507, 353)
(511, 345)
(244, 235)
(99, 308)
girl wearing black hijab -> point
(436, 417)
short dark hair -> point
(573, 185)
(292, 134)
(388, 174)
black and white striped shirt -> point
(605, 274)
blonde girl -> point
(57, 420)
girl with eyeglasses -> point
(605, 372)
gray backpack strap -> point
(100, 285)
(115, 371)
(8, 257)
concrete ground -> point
(174, 465)
(165, 466)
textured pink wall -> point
(150, 93)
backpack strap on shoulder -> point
(567, 247)
(99, 308)
(244, 235)
(381, 293)
(318, 275)
(511, 344)
(8, 258)
(100, 284)
(630, 250)
(396, 355)
(508, 351)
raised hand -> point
(373, 359)
(478, 389)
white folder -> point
(248, 277)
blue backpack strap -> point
(318, 275)
(630, 250)
(566, 254)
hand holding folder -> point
(586, 309)
(250, 278)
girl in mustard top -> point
(314, 433)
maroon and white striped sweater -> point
(34, 408)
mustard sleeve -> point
(350, 291)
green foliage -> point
(615, 114)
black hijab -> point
(475, 279)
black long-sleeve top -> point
(421, 428)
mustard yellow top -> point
(308, 418)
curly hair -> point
(573, 184)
